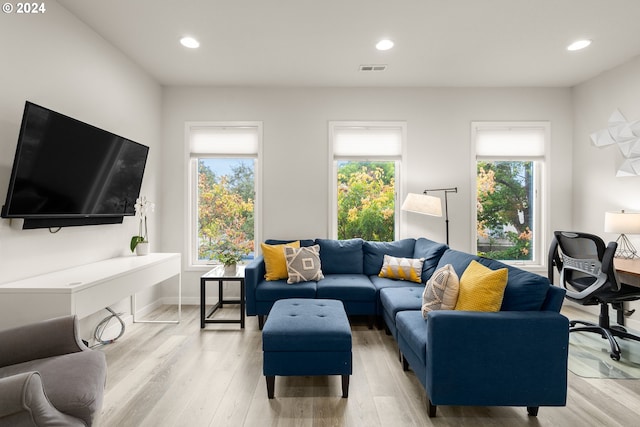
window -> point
(510, 197)
(366, 159)
(223, 165)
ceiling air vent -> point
(371, 67)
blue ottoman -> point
(395, 300)
(306, 337)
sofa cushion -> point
(279, 289)
(303, 264)
(431, 252)
(441, 291)
(525, 290)
(274, 260)
(374, 253)
(459, 260)
(395, 300)
(346, 287)
(383, 282)
(303, 242)
(481, 288)
(402, 268)
(341, 256)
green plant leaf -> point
(134, 242)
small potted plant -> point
(140, 242)
(229, 254)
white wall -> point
(295, 122)
(595, 186)
(54, 60)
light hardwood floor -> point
(180, 375)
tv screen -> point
(64, 168)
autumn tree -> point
(225, 212)
(366, 200)
(504, 208)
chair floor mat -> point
(589, 357)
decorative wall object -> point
(627, 137)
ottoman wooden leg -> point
(345, 386)
(271, 383)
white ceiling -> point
(439, 43)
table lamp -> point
(623, 223)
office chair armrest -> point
(608, 267)
(39, 340)
(23, 402)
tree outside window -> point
(225, 209)
(505, 211)
(366, 200)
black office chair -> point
(587, 273)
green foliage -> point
(134, 242)
(366, 199)
(225, 214)
(505, 195)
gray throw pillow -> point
(303, 264)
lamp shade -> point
(422, 204)
(622, 222)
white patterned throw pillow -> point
(402, 268)
(441, 290)
(303, 264)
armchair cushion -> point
(24, 403)
(74, 382)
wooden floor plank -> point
(179, 375)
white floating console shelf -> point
(86, 289)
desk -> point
(628, 270)
(217, 274)
(86, 289)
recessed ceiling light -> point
(580, 44)
(385, 44)
(190, 42)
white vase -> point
(230, 270)
(142, 248)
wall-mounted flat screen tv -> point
(67, 172)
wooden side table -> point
(217, 274)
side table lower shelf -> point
(217, 274)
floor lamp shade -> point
(423, 204)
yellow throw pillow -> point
(402, 268)
(274, 261)
(481, 288)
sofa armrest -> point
(38, 340)
(24, 402)
(514, 358)
(253, 274)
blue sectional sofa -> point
(514, 357)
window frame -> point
(541, 168)
(333, 168)
(191, 193)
